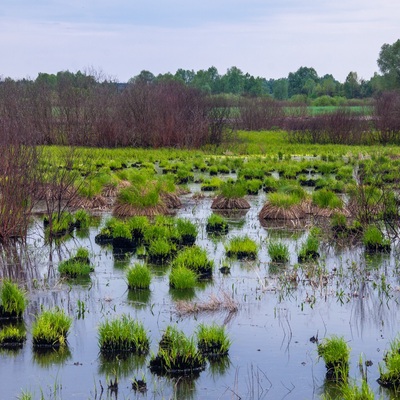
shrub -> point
(279, 252)
(13, 300)
(50, 329)
(123, 334)
(138, 277)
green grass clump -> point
(270, 184)
(233, 190)
(194, 258)
(78, 266)
(137, 225)
(253, 186)
(138, 276)
(390, 371)
(74, 269)
(242, 247)
(123, 334)
(182, 278)
(211, 185)
(186, 232)
(81, 219)
(374, 241)
(50, 329)
(140, 195)
(160, 250)
(325, 198)
(336, 354)
(121, 230)
(212, 340)
(279, 252)
(13, 300)
(177, 355)
(60, 224)
(12, 336)
(309, 249)
(217, 224)
(283, 200)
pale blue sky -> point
(267, 38)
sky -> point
(266, 38)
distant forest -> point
(190, 109)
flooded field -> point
(283, 310)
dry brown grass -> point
(99, 203)
(214, 303)
(270, 211)
(223, 203)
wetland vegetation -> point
(314, 256)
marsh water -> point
(280, 308)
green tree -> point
(301, 81)
(389, 62)
(280, 89)
(143, 77)
(185, 75)
(233, 81)
(352, 87)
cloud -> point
(265, 38)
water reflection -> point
(46, 357)
(139, 298)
